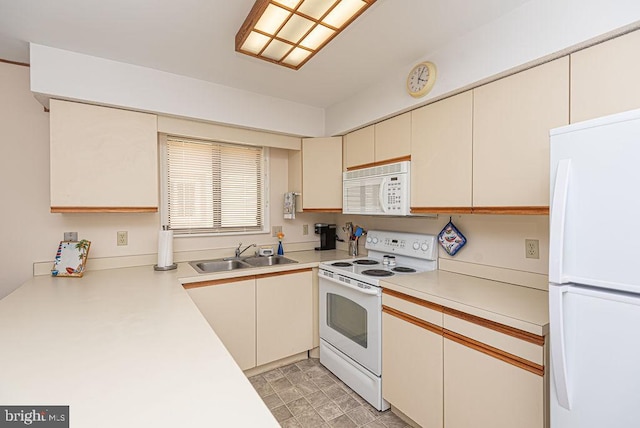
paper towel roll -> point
(165, 248)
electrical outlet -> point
(123, 238)
(71, 236)
(275, 230)
(305, 229)
(532, 248)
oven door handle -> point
(370, 291)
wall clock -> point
(421, 79)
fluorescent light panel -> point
(290, 32)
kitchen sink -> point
(220, 265)
(229, 264)
(268, 261)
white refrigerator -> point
(594, 273)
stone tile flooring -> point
(307, 395)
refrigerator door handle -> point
(557, 221)
(558, 350)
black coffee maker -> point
(327, 234)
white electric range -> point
(351, 306)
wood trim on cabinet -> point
(285, 272)
(500, 328)
(384, 162)
(212, 282)
(23, 64)
(413, 320)
(104, 209)
(322, 210)
(511, 210)
(412, 299)
(514, 360)
(441, 210)
(483, 322)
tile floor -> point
(307, 395)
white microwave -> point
(379, 190)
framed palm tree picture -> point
(71, 258)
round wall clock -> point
(421, 79)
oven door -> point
(350, 320)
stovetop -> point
(390, 254)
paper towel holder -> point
(168, 267)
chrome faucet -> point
(239, 252)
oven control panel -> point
(417, 245)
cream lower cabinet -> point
(412, 360)
(445, 368)
(230, 308)
(284, 315)
(102, 159)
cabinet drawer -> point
(421, 309)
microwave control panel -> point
(396, 195)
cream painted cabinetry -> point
(102, 159)
(492, 379)
(393, 138)
(441, 156)
(359, 147)
(446, 368)
(412, 360)
(384, 142)
(259, 318)
(230, 308)
(284, 315)
(604, 78)
(511, 123)
(321, 174)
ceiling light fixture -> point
(290, 32)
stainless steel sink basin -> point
(229, 264)
(220, 265)
(268, 261)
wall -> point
(495, 243)
(30, 233)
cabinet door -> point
(284, 315)
(230, 309)
(322, 174)
(359, 147)
(412, 366)
(512, 119)
(441, 150)
(483, 391)
(102, 159)
(604, 78)
(393, 138)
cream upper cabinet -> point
(604, 78)
(322, 174)
(359, 147)
(284, 315)
(412, 360)
(393, 138)
(102, 159)
(511, 123)
(441, 155)
(230, 308)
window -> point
(212, 187)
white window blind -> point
(213, 187)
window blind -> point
(214, 187)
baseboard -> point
(276, 364)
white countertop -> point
(123, 348)
(512, 305)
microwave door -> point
(382, 195)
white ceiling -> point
(196, 38)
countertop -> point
(123, 348)
(127, 347)
(512, 305)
